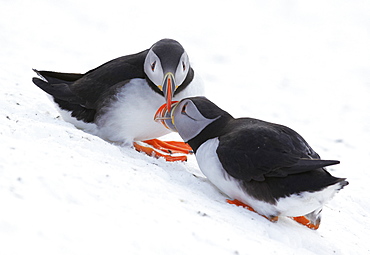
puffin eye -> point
(183, 66)
(153, 65)
(183, 109)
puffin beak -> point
(166, 117)
(169, 88)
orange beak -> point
(169, 88)
(165, 117)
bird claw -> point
(158, 148)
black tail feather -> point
(56, 77)
(58, 86)
(60, 91)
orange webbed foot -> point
(300, 219)
(305, 222)
(157, 149)
(170, 146)
(238, 203)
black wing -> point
(256, 149)
(80, 93)
(97, 81)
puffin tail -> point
(56, 77)
(312, 220)
(58, 86)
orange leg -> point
(300, 219)
(306, 222)
(170, 146)
(152, 152)
(238, 203)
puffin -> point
(117, 100)
(265, 167)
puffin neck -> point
(213, 130)
(153, 86)
(186, 82)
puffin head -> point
(167, 66)
(191, 116)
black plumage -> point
(268, 158)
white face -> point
(153, 69)
(182, 69)
(188, 120)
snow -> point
(303, 64)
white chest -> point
(130, 116)
(211, 167)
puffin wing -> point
(103, 80)
(80, 93)
(94, 83)
(302, 165)
(256, 149)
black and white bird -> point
(117, 100)
(267, 167)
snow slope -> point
(304, 64)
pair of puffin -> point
(265, 167)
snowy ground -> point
(304, 64)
